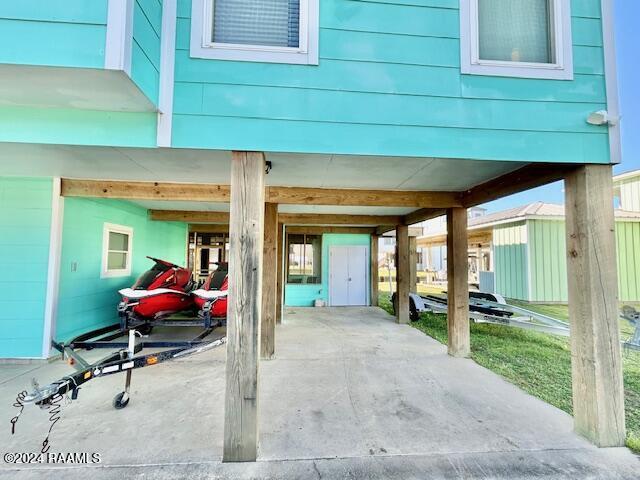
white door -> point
(348, 275)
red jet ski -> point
(211, 298)
(159, 292)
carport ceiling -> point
(209, 166)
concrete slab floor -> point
(351, 394)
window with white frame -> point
(117, 245)
(516, 38)
(276, 31)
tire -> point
(118, 403)
(394, 303)
(414, 316)
(144, 329)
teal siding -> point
(66, 33)
(510, 260)
(87, 301)
(304, 295)
(77, 127)
(145, 55)
(389, 83)
(25, 222)
(547, 244)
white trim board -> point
(119, 40)
(611, 79)
(471, 64)
(53, 268)
(305, 54)
(167, 72)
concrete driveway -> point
(351, 394)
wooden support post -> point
(458, 283)
(598, 395)
(280, 268)
(413, 264)
(269, 280)
(375, 275)
(403, 275)
(245, 305)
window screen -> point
(515, 30)
(274, 23)
(305, 259)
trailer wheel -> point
(414, 316)
(145, 329)
(118, 402)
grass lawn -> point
(538, 363)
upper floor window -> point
(277, 31)
(516, 38)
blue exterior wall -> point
(25, 221)
(297, 295)
(389, 83)
(65, 33)
(86, 301)
(145, 55)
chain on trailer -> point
(124, 360)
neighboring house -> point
(526, 250)
(626, 190)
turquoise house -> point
(289, 135)
(376, 96)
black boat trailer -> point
(122, 360)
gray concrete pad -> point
(351, 394)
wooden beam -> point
(244, 307)
(284, 195)
(457, 283)
(422, 215)
(208, 228)
(403, 274)
(382, 229)
(373, 198)
(319, 230)
(413, 265)
(145, 190)
(531, 176)
(280, 269)
(189, 216)
(269, 280)
(598, 395)
(375, 275)
(337, 219)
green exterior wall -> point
(64, 33)
(25, 221)
(548, 262)
(389, 83)
(534, 253)
(628, 245)
(510, 252)
(304, 295)
(145, 54)
(86, 301)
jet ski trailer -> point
(492, 308)
(124, 359)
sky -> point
(627, 13)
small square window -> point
(116, 250)
(277, 31)
(304, 261)
(516, 38)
